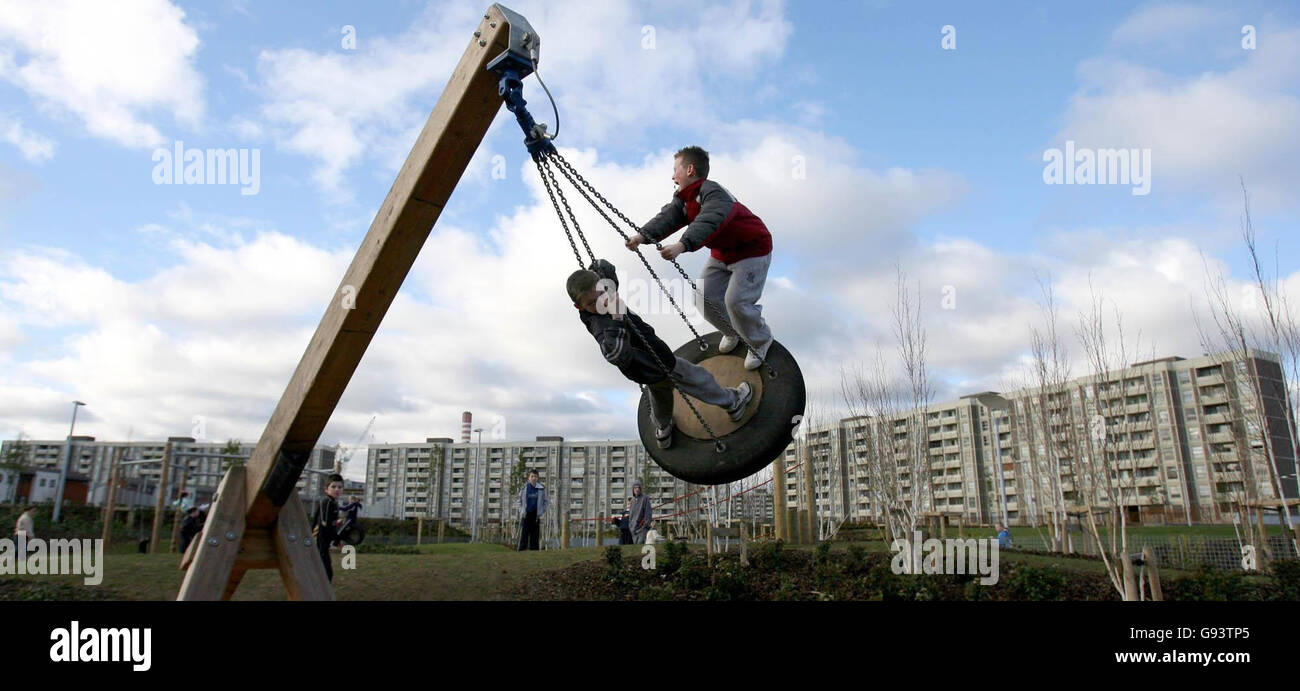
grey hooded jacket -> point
(522, 499)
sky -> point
(871, 137)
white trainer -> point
(728, 344)
(665, 435)
(753, 360)
(744, 394)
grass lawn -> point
(441, 572)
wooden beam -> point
(160, 502)
(111, 503)
(214, 557)
(299, 561)
(432, 169)
(180, 512)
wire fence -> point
(1184, 552)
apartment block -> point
(462, 482)
(1170, 440)
(198, 466)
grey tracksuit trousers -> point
(732, 292)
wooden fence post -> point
(1153, 573)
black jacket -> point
(623, 348)
(190, 527)
(325, 517)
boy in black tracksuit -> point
(325, 520)
(630, 344)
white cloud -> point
(113, 65)
(340, 107)
(33, 146)
(1161, 24)
(1204, 129)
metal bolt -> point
(306, 542)
(212, 541)
(482, 43)
(477, 34)
(230, 535)
(493, 25)
(293, 538)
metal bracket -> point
(524, 41)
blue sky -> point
(158, 304)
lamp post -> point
(67, 463)
(474, 486)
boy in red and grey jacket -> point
(741, 249)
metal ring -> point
(719, 446)
(703, 346)
(771, 372)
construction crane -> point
(345, 456)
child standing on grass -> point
(325, 521)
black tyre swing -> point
(747, 446)
(707, 448)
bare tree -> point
(1048, 422)
(1236, 335)
(871, 399)
(1108, 463)
(889, 442)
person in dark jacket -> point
(640, 514)
(532, 504)
(624, 524)
(740, 247)
(630, 344)
(325, 521)
(191, 526)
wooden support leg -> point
(223, 532)
(227, 549)
(299, 561)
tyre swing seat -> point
(747, 446)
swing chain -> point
(564, 200)
(550, 192)
(570, 172)
(717, 443)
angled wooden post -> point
(441, 153)
(160, 502)
(111, 503)
(180, 512)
